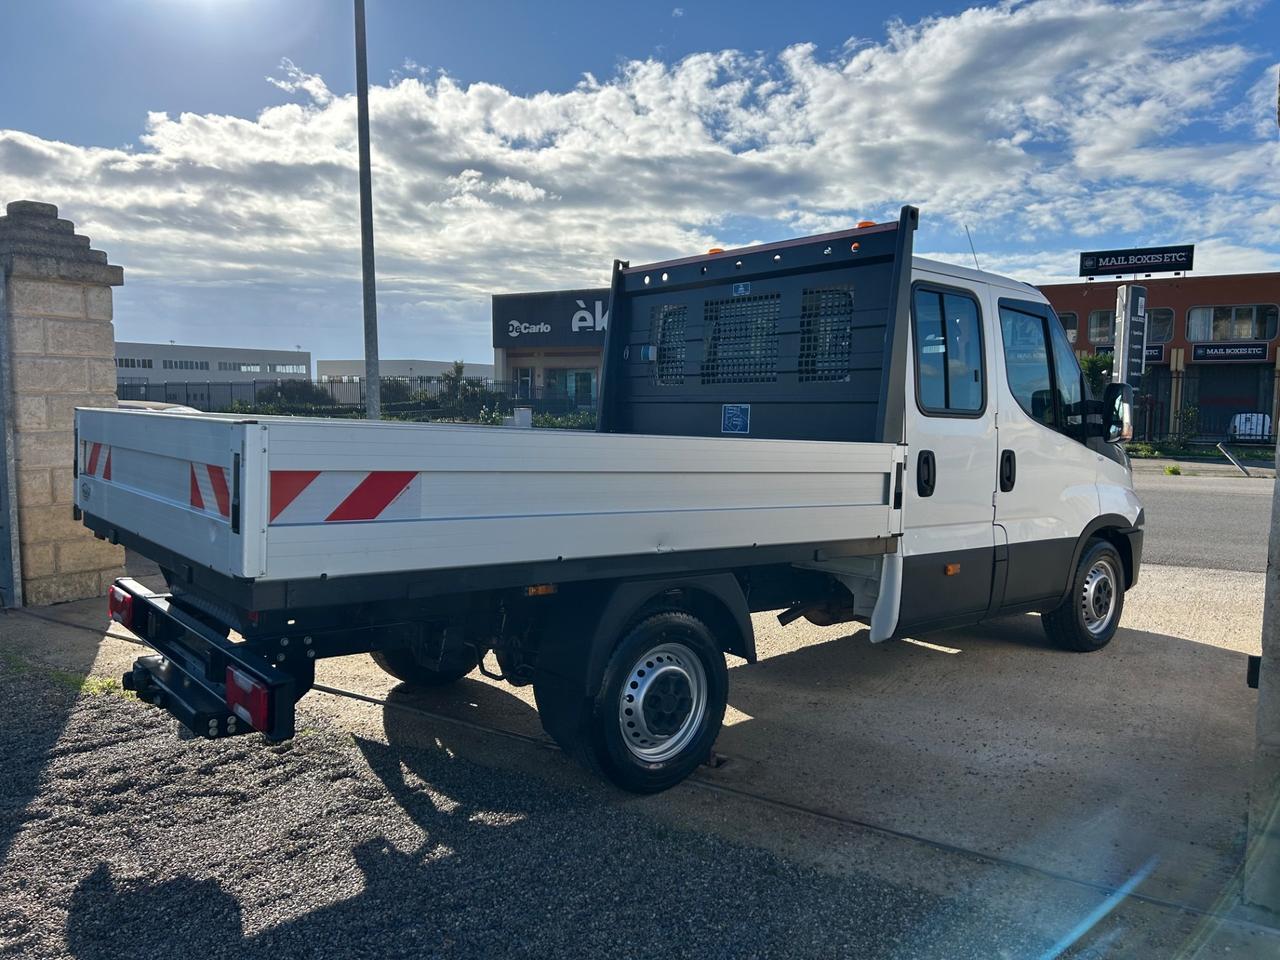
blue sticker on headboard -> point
(735, 418)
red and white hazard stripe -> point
(337, 496)
(209, 491)
(95, 459)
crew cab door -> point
(948, 538)
(1047, 477)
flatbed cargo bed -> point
(288, 511)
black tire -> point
(408, 665)
(1089, 617)
(673, 659)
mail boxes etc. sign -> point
(1095, 263)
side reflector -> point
(951, 569)
(540, 590)
(248, 698)
(120, 606)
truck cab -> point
(1012, 478)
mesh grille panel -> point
(666, 330)
(826, 334)
(741, 339)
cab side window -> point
(1068, 384)
(1026, 363)
(948, 352)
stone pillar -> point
(59, 354)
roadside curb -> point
(1204, 468)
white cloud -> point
(1041, 124)
(297, 81)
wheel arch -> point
(1119, 532)
(590, 622)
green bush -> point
(574, 420)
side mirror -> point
(1117, 413)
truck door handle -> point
(1008, 471)
(926, 473)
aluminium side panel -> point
(169, 479)
(358, 498)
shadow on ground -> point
(476, 862)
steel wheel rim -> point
(663, 702)
(1098, 597)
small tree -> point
(1097, 372)
(453, 380)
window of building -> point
(948, 353)
(1102, 326)
(1159, 325)
(578, 385)
(1026, 363)
(1243, 322)
(522, 381)
(286, 368)
(1070, 322)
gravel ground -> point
(120, 841)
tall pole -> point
(372, 383)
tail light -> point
(120, 606)
(248, 698)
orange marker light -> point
(866, 223)
(716, 250)
(951, 569)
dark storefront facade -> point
(1211, 350)
(548, 345)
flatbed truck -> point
(826, 426)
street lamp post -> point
(373, 385)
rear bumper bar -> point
(187, 674)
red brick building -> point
(1211, 344)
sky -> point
(209, 145)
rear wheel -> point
(427, 665)
(1089, 617)
(659, 707)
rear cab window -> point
(947, 337)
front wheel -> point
(659, 707)
(1089, 617)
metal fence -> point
(405, 397)
(1206, 404)
(1201, 404)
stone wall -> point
(61, 355)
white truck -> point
(824, 426)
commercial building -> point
(549, 345)
(208, 378)
(1211, 346)
(347, 370)
(183, 363)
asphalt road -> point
(1216, 522)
